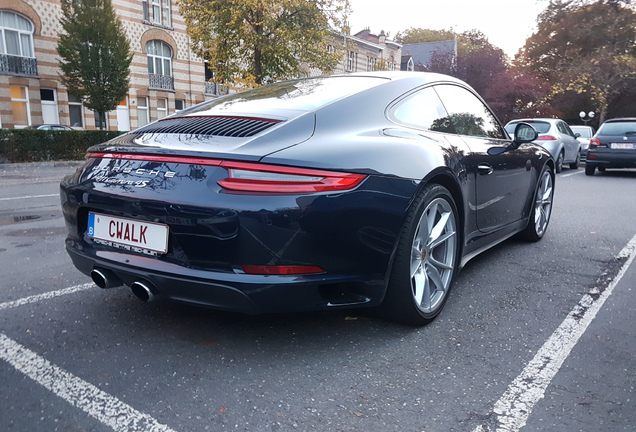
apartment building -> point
(165, 76)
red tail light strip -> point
(256, 177)
(281, 270)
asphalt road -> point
(535, 337)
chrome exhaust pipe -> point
(105, 278)
(142, 291)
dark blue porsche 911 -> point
(343, 191)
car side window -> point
(422, 110)
(568, 130)
(468, 114)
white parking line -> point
(516, 404)
(28, 196)
(571, 174)
(45, 296)
(98, 404)
(107, 409)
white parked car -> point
(556, 137)
(584, 134)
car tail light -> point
(254, 177)
(281, 270)
(546, 138)
(594, 142)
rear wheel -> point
(426, 259)
(542, 208)
(589, 169)
(576, 163)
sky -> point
(506, 23)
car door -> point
(570, 143)
(502, 181)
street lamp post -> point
(583, 115)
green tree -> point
(585, 47)
(252, 42)
(94, 54)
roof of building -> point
(423, 52)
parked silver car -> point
(584, 134)
(556, 137)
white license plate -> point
(629, 146)
(138, 235)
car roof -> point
(621, 119)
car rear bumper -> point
(612, 158)
(232, 291)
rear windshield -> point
(306, 95)
(541, 127)
(618, 128)
(584, 132)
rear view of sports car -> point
(360, 190)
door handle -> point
(485, 169)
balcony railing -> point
(161, 82)
(215, 89)
(16, 65)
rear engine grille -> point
(213, 125)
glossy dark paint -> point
(352, 235)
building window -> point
(104, 123)
(20, 106)
(159, 57)
(75, 111)
(371, 62)
(168, 7)
(156, 11)
(142, 111)
(352, 61)
(16, 35)
(48, 101)
(331, 49)
(162, 108)
(179, 104)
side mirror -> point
(577, 135)
(524, 133)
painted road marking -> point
(45, 296)
(29, 196)
(516, 404)
(98, 404)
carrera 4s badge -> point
(128, 176)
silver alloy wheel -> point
(543, 203)
(433, 256)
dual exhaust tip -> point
(107, 279)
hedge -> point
(32, 145)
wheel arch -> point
(442, 176)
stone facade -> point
(152, 95)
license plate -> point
(132, 234)
(629, 146)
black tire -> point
(559, 162)
(541, 207)
(577, 162)
(426, 259)
(589, 169)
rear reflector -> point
(254, 177)
(280, 270)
